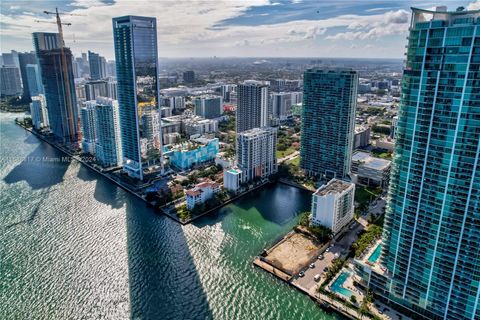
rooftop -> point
(370, 161)
(332, 187)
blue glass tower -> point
(431, 241)
(136, 59)
(328, 122)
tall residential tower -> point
(328, 122)
(136, 57)
(253, 109)
(431, 251)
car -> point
(320, 257)
(325, 269)
(316, 277)
(312, 265)
(328, 249)
(301, 274)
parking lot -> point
(339, 249)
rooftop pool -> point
(376, 254)
(337, 285)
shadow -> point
(43, 168)
(86, 174)
(164, 283)
(107, 193)
(30, 138)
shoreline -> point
(106, 175)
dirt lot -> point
(293, 253)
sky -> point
(227, 28)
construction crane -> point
(63, 60)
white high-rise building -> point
(253, 108)
(151, 128)
(87, 120)
(281, 105)
(333, 205)
(256, 153)
(108, 147)
(38, 110)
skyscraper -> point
(256, 153)
(328, 122)
(97, 66)
(108, 149)
(34, 79)
(10, 84)
(189, 76)
(59, 86)
(136, 58)
(281, 105)
(88, 122)
(24, 59)
(431, 236)
(253, 109)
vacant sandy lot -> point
(293, 253)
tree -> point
(363, 310)
(353, 299)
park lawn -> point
(282, 154)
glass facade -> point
(328, 122)
(137, 83)
(61, 99)
(431, 239)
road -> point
(289, 157)
(340, 248)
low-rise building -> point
(333, 205)
(201, 193)
(225, 162)
(193, 152)
(232, 179)
(200, 126)
(386, 144)
(370, 171)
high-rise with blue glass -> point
(136, 59)
(328, 122)
(431, 240)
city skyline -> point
(260, 28)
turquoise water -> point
(74, 246)
(376, 254)
(338, 283)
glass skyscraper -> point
(431, 241)
(61, 99)
(136, 58)
(328, 122)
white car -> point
(316, 277)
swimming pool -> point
(337, 285)
(376, 254)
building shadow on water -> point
(43, 168)
(164, 283)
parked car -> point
(320, 257)
(316, 277)
(312, 265)
(301, 274)
(325, 269)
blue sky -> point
(284, 28)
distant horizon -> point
(257, 28)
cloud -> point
(474, 5)
(187, 28)
(386, 24)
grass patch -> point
(364, 196)
(282, 154)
